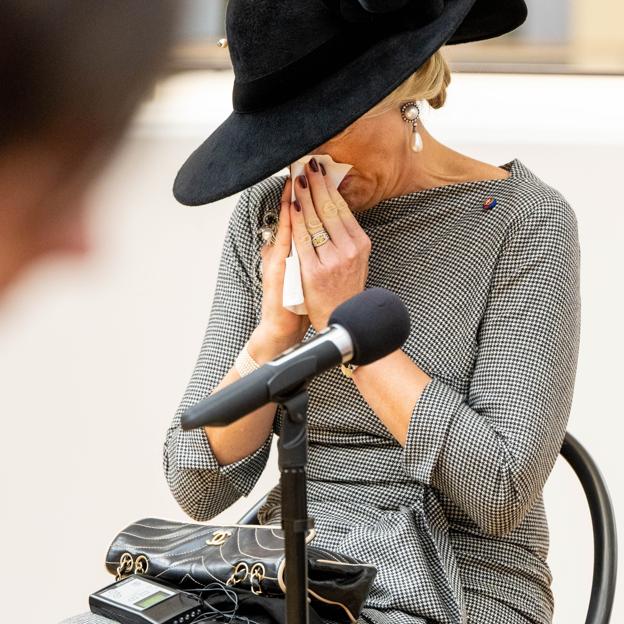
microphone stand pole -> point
(293, 457)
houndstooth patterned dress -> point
(454, 521)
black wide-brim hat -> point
(306, 69)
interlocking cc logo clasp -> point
(218, 538)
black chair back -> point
(603, 524)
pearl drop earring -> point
(410, 113)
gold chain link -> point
(126, 563)
(256, 575)
(141, 564)
(239, 575)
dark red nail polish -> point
(314, 165)
(297, 205)
(323, 169)
(303, 181)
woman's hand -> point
(279, 328)
(336, 270)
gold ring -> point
(320, 238)
(330, 208)
(314, 224)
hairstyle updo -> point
(428, 82)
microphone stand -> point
(293, 457)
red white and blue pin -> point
(489, 203)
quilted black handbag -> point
(251, 557)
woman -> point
(430, 462)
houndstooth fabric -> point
(454, 521)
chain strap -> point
(141, 564)
(242, 571)
(128, 565)
(256, 575)
(239, 575)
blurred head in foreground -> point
(71, 74)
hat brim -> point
(249, 147)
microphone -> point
(365, 328)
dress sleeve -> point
(491, 451)
(202, 486)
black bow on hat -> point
(306, 69)
(375, 6)
(378, 11)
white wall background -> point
(94, 357)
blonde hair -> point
(428, 82)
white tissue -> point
(293, 288)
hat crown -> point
(265, 37)
(281, 47)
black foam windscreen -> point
(377, 321)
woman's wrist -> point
(263, 345)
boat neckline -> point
(512, 166)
